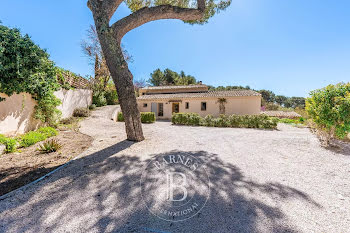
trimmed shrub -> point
(31, 138)
(234, 121)
(186, 119)
(10, 143)
(146, 117)
(48, 131)
(120, 116)
(81, 112)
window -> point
(187, 105)
(145, 105)
(160, 109)
(204, 106)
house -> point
(166, 100)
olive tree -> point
(143, 11)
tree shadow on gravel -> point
(104, 195)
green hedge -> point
(146, 117)
(233, 121)
(120, 116)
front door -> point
(176, 107)
(154, 108)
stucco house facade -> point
(166, 100)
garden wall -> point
(17, 110)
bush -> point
(111, 97)
(120, 116)
(99, 99)
(81, 112)
(234, 121)
(48, 131)
(31, 138)
(10, 143)
(329, 108)
(146, 117)
(50, 146)
(92, 107)
(69, 120)
(186, 119)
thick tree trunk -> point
(123, 81)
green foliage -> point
(10, 143)
(148, 117)
(212, 6)
(25, 67)
(81, 112)
(48, 131)
(329, 108)
(234, 121)
(46, 110)
(186, 119)
(50, 146)
(267, 95)
(99, 99)
(92, 107)
(169, 77)
(120, 116)
(31, 138)
(111, 96)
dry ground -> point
(18, 169)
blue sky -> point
(288, 46)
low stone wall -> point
(16, 112)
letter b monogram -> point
(178, 185)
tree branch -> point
(149, 14)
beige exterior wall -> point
(246, 105)
(16, 112)
(72, 99)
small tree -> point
(329, 108)
(143, 11)
(222, 102)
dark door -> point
(176, 107)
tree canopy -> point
(24, 66)
(169, 77)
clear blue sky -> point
(287, 46)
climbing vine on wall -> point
(25, 67)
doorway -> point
(176, 107)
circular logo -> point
(175, 187)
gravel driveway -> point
(260, 181)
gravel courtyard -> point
(260, 181)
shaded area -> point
(104, 195)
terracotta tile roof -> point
(282, 114)
(174, 87)
(235, 93)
